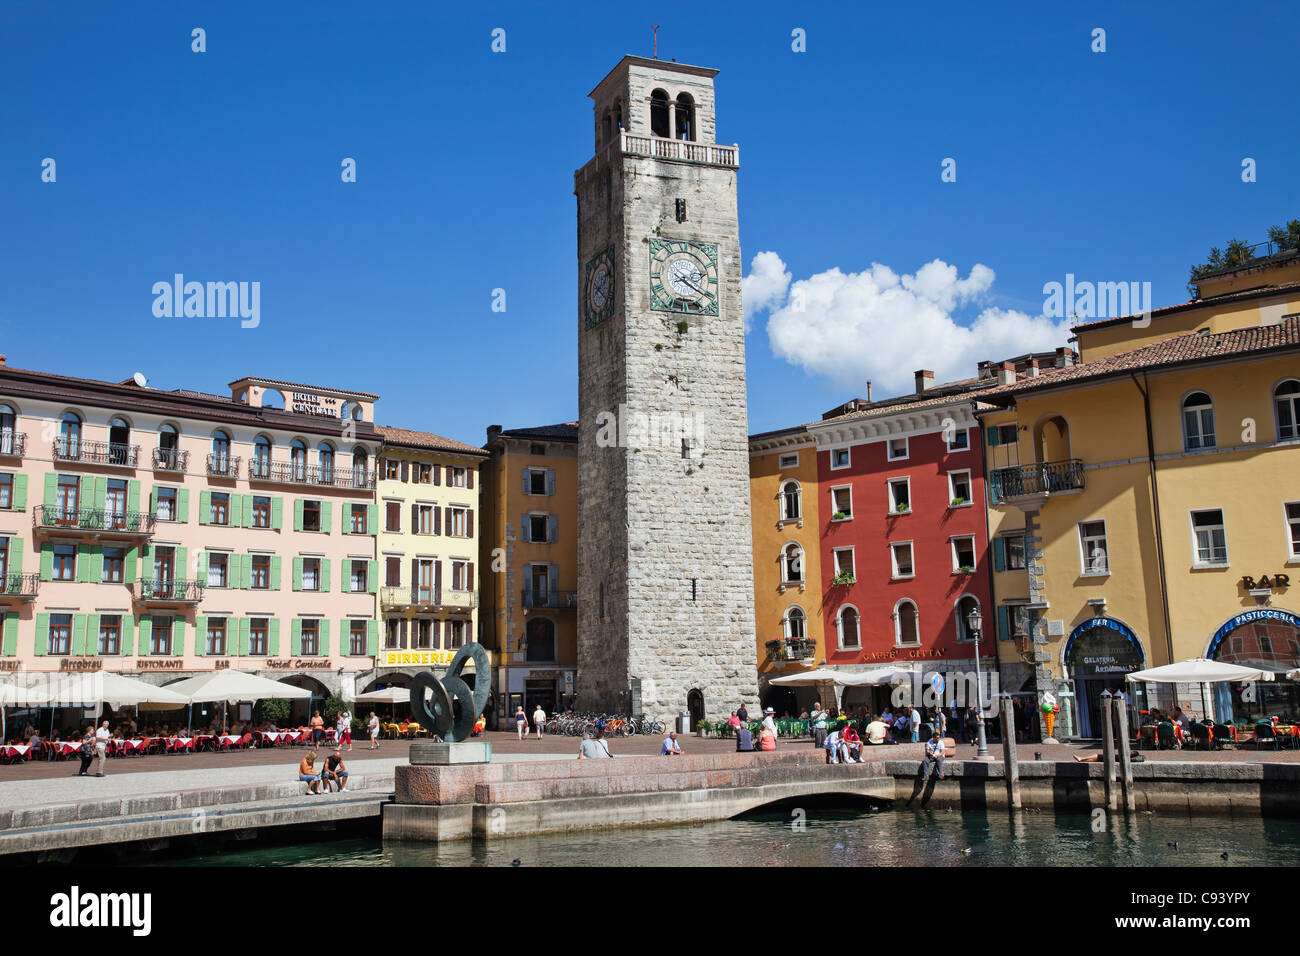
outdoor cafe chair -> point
(1223, 736)
(1200, 736)
(1264, 734)
(1166, 740)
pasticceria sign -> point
(406, 658)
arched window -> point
(540, 639)
(659, 120)
(792, 564)
(961, 612)
(219, 462)
(1286, 407)
(791, 501)
(685, 117)
(606, 127)
(618, 117)
(796, 623)
(360, 466)
(119, 438)
(846, 627)
(272, 398)
(905, 623)
(298, 459)
(68, 444)
(325, 453)
(1198, 422)
(261, 465)
(8, 423)
(167, 454)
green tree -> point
(1285, 237)
(1237, 252)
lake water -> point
(870, 837)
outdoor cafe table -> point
(65, 748)
(127, 747)
(15, 752)
(177, 744)
(226, 741)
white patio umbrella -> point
(116, 690)
(820, 676)
(15, 692)
(231, 687)
(389, 695)
(1198, 671)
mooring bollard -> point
(1108, 747)
(1009, 762)
(1125, 764)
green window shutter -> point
(205, 506)
(153, 500)
(42, 634)
(295, 638)
(347, 518)
(297, 514)
(47, 561)
(86, 492)
(326, 516)
(248, 510)
(323, 628)
(201, 567)
(200, 634)
(51, 484)
(146, 562)
(129, 564)
(372, 519)
(324, 574)
(145, 627)
(127, 636)
(245, 629)
(275, 572)
(182, 566)
(991, 432)
(277, 512)
(97, 564)
(83, 563)
(372, 576)
(92, 634)
(20, 492)
(178, 637)
(182, 504)
(999, 554)
(297, 574)
(345, 579)
(1004, 623)
(15, 556)
(372, 638)
(78, 634)
(132, 494)
(246, 570)
(10, 648)
(273, 636)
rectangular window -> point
(65, 562)
(6, 490)
(538, 528)
(1015, 550)
(536, 481)
(424, 519)
(110, 634)
(392, 572)
(114, 561)
(220, 508)
(391, 634)
(311, 574)
(60, 634)
(841, 503)
(257, 628)
(959, 488)
(310, 638)
(900, 555)
(261, 511)
(311, 516)
(960, 440)
(260, 571)
(844, 570)
(359, 519)
(1209, 538)
(897, 449)
(357, 580)
(840, 458)
(900, 495)
(456, 524)
(218, 564)
(167, 504)
(115, 498)
(455, 476)
(393, 516)
(460, 576)
(420, 640)
(1095, 552)
(356, 638)
(789, 461)
(455, 634)
(217, 636)
(161, 636)
(1293, 527)
(963, 553)
(423, 473)
(1002, 434)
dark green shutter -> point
(999, 554)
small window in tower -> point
(681, 210)
(686, 117)
(659, 114)
(686, 448)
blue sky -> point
(1115, 166)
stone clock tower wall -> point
(665, 567)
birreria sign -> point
(215, 300)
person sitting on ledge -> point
(933, 757)
(852, 742)
(594, 746)
(671, 747)
(744, 740)
(877, 732)
(335, 771)
(307, 772)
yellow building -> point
(1145, 508)
(785, 504)
(529, 556)
(429, 524)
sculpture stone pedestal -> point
(425, 753)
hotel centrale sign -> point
(406, 658)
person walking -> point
(521, 722)
(933, 757)
(101, 748)
(973, 725)
(373, 726)
(87, 752)
(344, 733)
(539, 719)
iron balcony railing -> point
(558, 600)
(1043, 478)
(223, 466)
(172, 591)
(427, 597)
(13, 443)
(171, 459)
(19, 585)
(791, 648)
(293, 473)
(67, 448)
(93, 519)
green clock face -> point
(684, 276)
(598, 289)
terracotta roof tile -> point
(417, 439)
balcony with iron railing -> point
(223, 466)
(796, 649)
(550, 600)
(96, 452)
(171, 459)
(1036, 481)
(19, 586)
(13, 444)
(399, 597)
(294, 473)
(93, 521)
(169, 591)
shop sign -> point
(297, 664)
(408, 658)
(309, 403)
(81, 664)
(1102, 646)
(1264, 582)
(221, 665)
(12, 665)
(1249, 617)
(160, 664)
(906, 654)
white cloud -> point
(765, 285)
(880, 326)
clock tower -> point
(665, 566)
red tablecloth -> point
(1287, 730)
(228, 740)
(16, 752)
(65, 749)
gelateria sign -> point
(406, 658)
(309, 403)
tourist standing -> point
(914, 722)
(933, 757)
(101, 748)
(818, 718)
(373, 727)
(973, 724)
(521, 722)
(539, 718)
(317, 728)
(345, 732)
(742, 715)
(769, 720)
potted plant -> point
(902, 508)
(843, 577)
(838, 516)
(958, 501)
(702, 728)
(966, 569)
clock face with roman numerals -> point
(598, 289)
(683, 276)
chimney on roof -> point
(3, 359)
(493, 432)
(985, 370)
(1006, 372)
(1065, 357)
(924, 379)
(868, 385)
(1031, 368)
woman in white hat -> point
(769, 720)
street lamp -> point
(975, 628)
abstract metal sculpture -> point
(433, 701)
